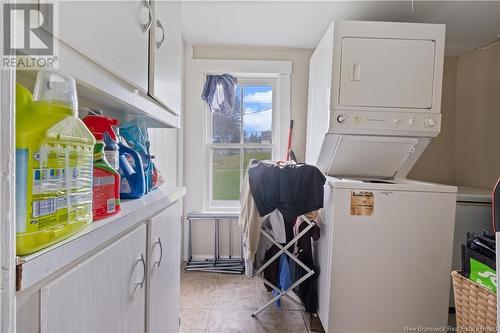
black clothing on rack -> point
(271, 272)
(307, 291)
(293, 189)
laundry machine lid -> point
(369, 157)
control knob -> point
(429, 122)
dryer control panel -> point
(359, 122)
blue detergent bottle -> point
(133, 181)
(135, 134)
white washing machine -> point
(385, 255)
(386, 242)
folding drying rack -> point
(218, 264)
(284, 249)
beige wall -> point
(298, 85)
(467, 152)
(477, 134)
(437, 163)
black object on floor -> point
(315, 323)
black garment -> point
(308, 290)
(293, 189)
(271, 271)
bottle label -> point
(125, 186)
(54, 186)
(112, 157)
(104, 192)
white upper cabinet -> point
(166, 49)
(114, 34)
(388, 73)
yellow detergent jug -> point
(54, 156)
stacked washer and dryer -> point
(385, 250)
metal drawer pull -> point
(147, 26)
(141, 259)
(160, 43)
(158, 262)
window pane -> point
(226, 174)
(227, 128)
(256, 154)
(258, 113)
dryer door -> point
(387, 73)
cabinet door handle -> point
(141, 260)
(158, 262)
(147, 26)
(159, 44)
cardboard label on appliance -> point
(362, 203)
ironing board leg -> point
(230, 241)
(215, 242)
(190, 255)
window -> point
(246, 133)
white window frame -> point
(233, 204)
(256, 71)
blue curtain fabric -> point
(219, 93)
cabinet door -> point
(391, 73)
(166, 51)
(164, 271)
(102, 294)
(111, 33)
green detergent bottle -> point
(54, 153)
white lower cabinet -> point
(131, 285)
(105, 293)
(164, 271)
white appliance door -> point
(390, 260)
(371, 157)
(387, 73)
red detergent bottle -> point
(106, 180)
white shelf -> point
(36, 267)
